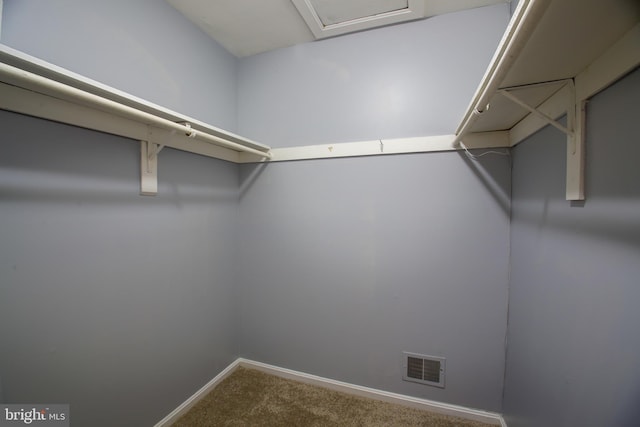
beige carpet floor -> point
(252, 398)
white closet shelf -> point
(553, 57)
(34, 87)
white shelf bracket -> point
(153, 150)
(575, 137)
(535, 111)
(576, 119)
(149, 168)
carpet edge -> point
(414, 402)
(371, 393)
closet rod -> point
(33, 82)
(522, 24)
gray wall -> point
(341, 264)
(514, 5)
(111, 301)
(573, 338)
(143, 47)
(346, 263)
(415, 79)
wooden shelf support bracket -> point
(149, 168)
(576, 118)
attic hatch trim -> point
(415, 10)
(34, 87)
(494, 99)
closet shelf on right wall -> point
(553, 57)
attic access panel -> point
(333, 12)
(328, 18)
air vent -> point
(423, 369)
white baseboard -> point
(413, 402)
(197, 396)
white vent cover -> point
(327, 18)
(423, 369)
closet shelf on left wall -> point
(34, 87)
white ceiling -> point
(248, 27)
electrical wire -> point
(477, 156)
